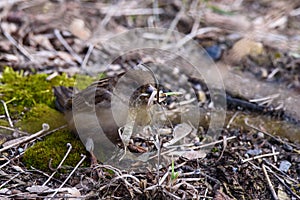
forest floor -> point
(253, 45)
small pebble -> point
(216, 154)
(284, 166)
(287, 147)
(20, 150)
(187, 96)
(260, 135)
(175, 71)
(254, 152)
(197, 144)
(114, 67)
(197, 171)
(234, 169)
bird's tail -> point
(63, 97)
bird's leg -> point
(127, 132)
(89, 145)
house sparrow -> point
(97, 112)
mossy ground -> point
(33, 119)
(30, 101)
(23, 92)
(54, 148)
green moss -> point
(83, 81)
(6, 124)
(21, 92)
(214, 150)
(54, 147)
(30, 101)
(39, 114)
(4, 133)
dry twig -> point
(275, 197)
(26, 139)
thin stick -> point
(286, 176)
(273, 151)
(87, 56)
(15, 130)
(45, 128)
(270, 135)
(260, 156)
(155, 10)
(285, 185)
(175, 21)
(7, 114)
(213, 143)
(19, 46)
(267, 98)
(67, 46)
(75, 168)
(232, 119)
(224, 147)
(44, 174)
(190, 36)
(130, 12)
(54, 130)
(1, 186)
(60, 164)
(275, 197)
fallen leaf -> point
(37, 189)
(78, 28)
(180, 131)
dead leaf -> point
(180, 131)
(74, 192)
(9, 58)
(5, 191)
(41, 40)
(9, 27)
(78, 28)
(190, 155)
(14, 141)
(65, 56)
(17, 168)
(282, 194)
(37, 189)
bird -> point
(97, 112)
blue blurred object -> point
(214, 51)
(254, 152)
(284, 166)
